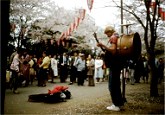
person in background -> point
(90, 70)
(25, 67)
(139, 68)
(131, 66)
(145, 71)
(38, 71)
(15, 68)
(63, 61)
(105, 69)
(115, 67)
(32, 72)
(98, 69)
(54, 67)
(160, 70)
(73, 73)
(50, 71)
(44, 68)
(12, 56)
(81, 64)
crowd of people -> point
(25, 67)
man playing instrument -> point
(115, 67)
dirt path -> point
(85, 101)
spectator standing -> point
(44, 68)
(90, 70)
(38, 71)
(73, 72)
(81, 64)
(139, 68)
(54, 67)
(160, 70)
(145, 71)
(63, 61)
(32, 71)
(98, 69)
(131, 67)
(15, 68)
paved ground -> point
(18, 103)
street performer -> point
(114, 64)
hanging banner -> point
(153, 6)
(58, 42)
(82, 13)
(63, 43)
(70, 31)
(159, 11)
(65, 35)
(163, 14)
(67, 32)
(51, 41)
(74, 26)
(61, 36)
(71, 27)
(90, 4)
(77, 22)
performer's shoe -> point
(113, 108)
(15, 91)
(44, 85)
(70, 83)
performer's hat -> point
(109, 29)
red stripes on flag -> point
(72, 27)
(153, 5)
(82, 13)
(77, 22)
(90, 4)
(161, 13)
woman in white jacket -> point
(98, 69)
(54, 67)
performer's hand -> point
(99, 44)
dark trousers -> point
(14, 80)
(73, 74)
(81, 77)
(63, 73)
(114, 86)
(43, 76)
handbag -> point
(8, 73)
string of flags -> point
(74, 25)
(90, 4)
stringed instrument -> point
(107, 57)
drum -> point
(129, 46)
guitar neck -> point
(95, 36)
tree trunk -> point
(154, 78)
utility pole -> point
(122, 30)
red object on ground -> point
(57, 89)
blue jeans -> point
(114, 86)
